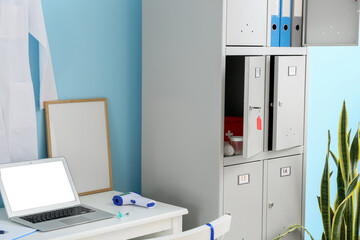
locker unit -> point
(243, 194)
(204, 62)
(283, 190)
(269, 190)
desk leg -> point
(177, 225)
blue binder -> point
(275, 22)
(275, 31)
(285, 23)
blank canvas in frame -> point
(78, 130)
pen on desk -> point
(120, 215)
(2, 231)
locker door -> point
(246, 22)
(243, 200)
(254, 97)
(289, 102)
(283, 204)
(331, 22)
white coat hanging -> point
(18, 134)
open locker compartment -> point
(244, 99)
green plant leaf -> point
(293, 228)
(331, 210)
(357, 214)
(354, 154)
(349, 136)
(352, 186)
(340, 195)
(336, 202)
(349, 217)
(334, 158)
(339, 212)
(343, 230)
(344, 153)
(325, 195)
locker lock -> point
(252, 107)
(271, 205)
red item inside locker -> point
(233, 126)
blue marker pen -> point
(2, 231)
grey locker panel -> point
(244, 201)
(331, 22)
(289, 102)
(254, 98)
(246, 22)
(283, 203)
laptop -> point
(41, 194)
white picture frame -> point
(78, 130)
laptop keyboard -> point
(61, 213)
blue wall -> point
(96, 52)
(334, 76)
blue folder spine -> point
(275, 31)
(285, 27)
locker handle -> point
(252, 107)
(271, 205)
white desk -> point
(140, 222)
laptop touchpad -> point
(75, 220)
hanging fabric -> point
(18, 133)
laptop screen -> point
(36, 185)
